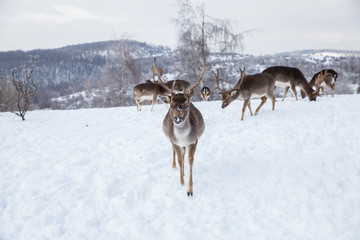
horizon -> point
(172, 49)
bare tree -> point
(25, 86)
(121, 73)
(197, 37)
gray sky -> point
(280, 25)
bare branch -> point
(25, 86)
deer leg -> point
(180, 155)
(273, 103)
(294, 90)
(138, 106)
(183, 163)
(303, 94)
(174, 158)
(249, 106)
(285, 92)
(263, 101)
(153, 102)
(323, 90)
(191, 153)
(246, 103)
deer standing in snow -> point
(250, 86)
(148, 91)
(291, 77)
(183, 125)
(328, 78)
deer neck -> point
(182, 128)
(181, 133)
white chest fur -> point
(181, 134)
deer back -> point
(178, 86)
(286, 74)
(147, 89)
(290, 75)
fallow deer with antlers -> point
(249, 86)
(183, 125)
(326, 77)
(291, 77)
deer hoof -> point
(190, 194)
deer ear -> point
(233, 93)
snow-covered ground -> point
(106, 174)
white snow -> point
(106, 174)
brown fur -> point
(293, 77)
(261, 85)
(148, 90)
(183, 125)
(178, 86)
(189, 131)
(329, 80)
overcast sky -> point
(279, 25)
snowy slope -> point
(106, 174)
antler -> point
(217, 78)
(320, 78)
(160, 81)
(160, 70)
(238, 85)
(200, 78)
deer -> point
(249, 86)
(183, 125)
(149, 91)
(205, 93)
(328, 77)
(291, 77)
(178, 86)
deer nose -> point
(177, 120)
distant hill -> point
(64, 73)
(70, 64)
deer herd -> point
(183, 124)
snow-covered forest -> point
(87, 75)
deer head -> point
(205, 93)
(179, 102)
(227, 96)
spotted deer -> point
(328, 78)
(183, 125)
(290, 78)
(148, 91)
(249, 86)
